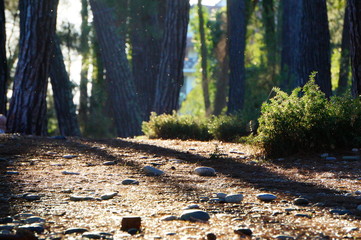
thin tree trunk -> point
(3, 62)
(62, 92)
(121, 89)
(220, 100)
(236, 37)
(355, 52)
(204, 59)
(345, 55)
(84, 50)
(170, 78)
(315, 52)
(28, 104)
(268, 17)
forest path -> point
(54, 170)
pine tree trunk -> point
(28, 104)
(315, 52)
(147, 26)
(345, 55)
(355, 52)
(268, 17)
(204, 59)
(170, 77)
(121, 89)
(84, 50)
(62, 92)
(3, 61)
(236, 37)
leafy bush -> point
(306, 120)
(175, 127)
(228, 128)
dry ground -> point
(40, 163)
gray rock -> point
(69, 156)
(108, 196)
(243, 231)
(12, 173)
(96, 235)
(130, 182)
(204, 199)
(301, 201)
(340, 211)
(109, 163)
(23, 215)
(234, 198)
(324, 155)
(211, 236)
(70, 173)
(152, 171)
(35, 227)
(170, 234)
(31, 197)
(7, 227)
(331, 158)
(5, 232)
(284, 237)
(194, 206)
(205, 171)
(75, 230)
(351, 158)
(34, 219)
(195, 215)
(221, 195)
(359, 207)
(267, 197)
(169, 218)
(81, 198)
(6, 220)
(302, 215)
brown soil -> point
(40, 163)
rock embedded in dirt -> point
(195, 215)
(340, 211)
(108, 196)
(70, 173)
(31, 197)
(69, 156)
(81, 198)
(243, 231)
(34, 219)
(194, 206)
(221, 195)
(7, 227)
(152, 171)
(109, 163)
(97, 235)
(331, 158)
(75, 230)
(211, 236)
(35, 227)
(12, 173)
(205, 171)
(130, 182)
(266, 197)
(301, 202)
(284, 237)
(6, 220)
(169, 218)
(233, 198)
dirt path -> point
(43, 167)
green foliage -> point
(227, 128)
(306, 120)
(175, 127)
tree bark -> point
(236, 37)
(170, 78)
(147, 27)
(3, 62)
(355, 51)
(315, 51)
(204, 59)
(28, 104)
(62, 92)
(268, 17)
(121, 89)
(345, 55)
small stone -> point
(35, 227)
(75, 230)
(70, 173)
(109, 163)
(92, 235)
(301, 202)
(170, 234)
(80, 198)
(131, 222)
(204, 199)
(284, 237)
(354, 149)
(7, 227)
(169, 218)
(234, 198)
(195, 215)
(243, 231)
(330, 158)
(69, 156)
(108, 196)
(340, 211)
(133, 231)
(31, 197)
(34, 219)
(302, 215)
(66, 191)
(211, 236)
(12, 173)
(221, 195)
(130, 182)
(6, 220)
(205, 171)
(23, 215)
(350, 229)
(351, 158)
(324, 155)
(267, 197)
(194, 206)
(152, 171)
(359, 208)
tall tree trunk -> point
(236, 37)
(291, 27)
(84, 50)
(268, 18)
(28, 104)
(3, 62)
(355, 51)
(204, 59)
(345, 55)
(147, 26)
(315, 52)
(121, 89)
(170, 78)
(62, 92)
(220, 99)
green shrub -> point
(168, 126)
(306, 120)
(228, 128)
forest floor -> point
(52, 170)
